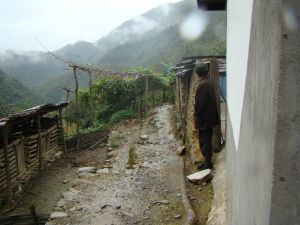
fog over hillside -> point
(146, 40)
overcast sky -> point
(57, 23)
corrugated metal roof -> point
(188, 64)
(31, 112)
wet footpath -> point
(139, 183)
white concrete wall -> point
(263, 144)
(238, 37)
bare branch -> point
(98, 71)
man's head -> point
(202, 69)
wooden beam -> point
(34, 216)
(76, 109)
(140, 110)
(7, 167)
(179, 99)
(40, 142)
(62, 130)
(136, 100)
(186, 105)
(68, 91)
(91, 102)
(146, 94)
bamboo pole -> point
(68, 94)
(185, 109)
(39, 142)
(90, 83)
(7, 167)
(90, 95)
(146, 94)
(179, 99)
(76, 108)
(62, 130)
(34, 216)
(136, 97)
(68, 91)
(140, 110)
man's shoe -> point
(210, 165)
(202, 166)
(205, 165)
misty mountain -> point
(168, 46)
(30, 68)
(13, 95)
(146, 40)
(81, 52)
(145, 26)
(52, 90)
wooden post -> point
(136, 101)
(141, 110)
(146, 94)
(68, 94)
(179, 100)
(76, 108)
(62, 130)
(153, 98)
(90, 83)
(185, 109)
(7, 167)
(17, 159)
(90, 95)
(40, 142)
(34, 216)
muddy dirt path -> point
(148, 193)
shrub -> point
(122, 114)
(116, 141)
(99, 127)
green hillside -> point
(52, 90)
(167, 46)
(144, 41)
(30, 68)
(13, 95)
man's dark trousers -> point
(205, 140)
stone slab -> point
(87, 170)
(55, 215)
(199, 176)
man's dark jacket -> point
(206, 111)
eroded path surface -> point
(149, 193)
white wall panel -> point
(238, 37)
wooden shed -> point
(28, 138)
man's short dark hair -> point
(202, 69)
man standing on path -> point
(206, 114)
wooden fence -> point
(88, 140)
(25, 157)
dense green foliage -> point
(113, 99)
(122, 114)
(13, 95)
